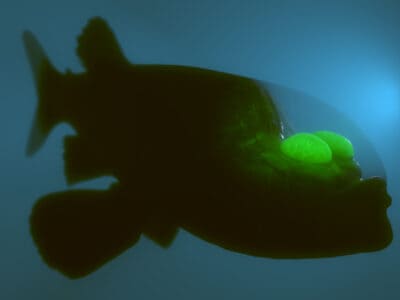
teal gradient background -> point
(347, 53)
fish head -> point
(329, 176)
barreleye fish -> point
(194, 149)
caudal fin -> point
(78, 231)
(46, 78)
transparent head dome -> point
(302, 113)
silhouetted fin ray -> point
(98, 47)
(46, 79)
(160, 232)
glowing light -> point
(340, 146)
(307, 147)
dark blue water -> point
(347, 53)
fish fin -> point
(162, 233)
(46, 79)
(78, 231)
(98, 47)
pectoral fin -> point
(78, 231)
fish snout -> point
(375, 188)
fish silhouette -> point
(192, 149)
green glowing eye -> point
(307, 147)
(340, 146)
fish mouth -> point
(376, 188)
(388, 202)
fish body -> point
(191, 149)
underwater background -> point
(346, 53)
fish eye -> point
(307, 147)
(340, 146)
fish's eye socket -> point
(306, 147)
(340, 146)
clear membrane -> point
(300, 112)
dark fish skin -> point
(176, 139)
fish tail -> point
(78, 231)
(46, 79)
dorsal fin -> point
(98, 47)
